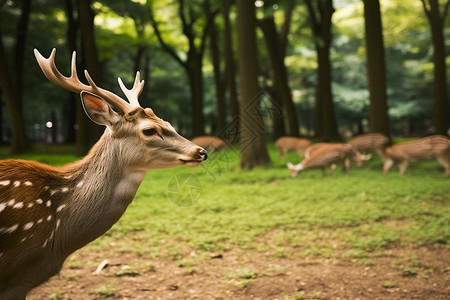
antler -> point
(133, 94)
(73, 83)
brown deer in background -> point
(326, 154)
(371, 142)
(291, 144)
(211, 143)
(47, 213)
(436, 146)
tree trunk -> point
(437, 21)
(218, 81)
(252, 142)
(320, 18)
(20, 142)
(376, 69)
(230, 68)
(280, 77)
(88, 132)
(71, 108)
(195, 76)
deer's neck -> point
(102, 189)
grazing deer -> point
(436, 146)
(371, 142)
(357, 156)
(291, 144)
(47, 213)
(211, 143)
(325, 155)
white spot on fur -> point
(49, 217)
(80, 184)
(2, 206)
(48, 203)
(68, 177)
(40, 221)
(58, 223)
(11, 202)
(28, 183)
(52, 192)
(5, 182)
(46, 188)
(24, 239)
(39, 201)
(16, 183)
(28, 225)
(61, 207)
(64, 189)
(45, 243)
(18, 205)
(31, 204)
(9, 229)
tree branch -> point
(163, 43)
(427, 11)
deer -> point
(356, 155)
(211, 143)
(47, 213)
(436, 146)
(371, 142)
(324, 155)
(291, 144)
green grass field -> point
(264, 209)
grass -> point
(352, 214)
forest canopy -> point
(170, 42)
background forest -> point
(188, 53)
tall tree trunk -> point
(218, 81)
(320, 18)
(71, 108)
(20, 142)
(437, 21)
(230, 68)
(88, 132)
(280, 77)
(253, 147)
(195, 76)
(11, 83)
(376, 69)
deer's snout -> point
(202, 154)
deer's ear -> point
(98, 110)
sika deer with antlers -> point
(46, 213)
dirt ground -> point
(396, 273)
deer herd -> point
(47, 213)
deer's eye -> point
(149, 131)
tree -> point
(216, 61)
(194, 57)
(253, 147)
(376, 69)
(276, 45)
(320, 13)
(230, 68)
(11, 82)
(437, 21)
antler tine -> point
(133, 94)
(73, 83)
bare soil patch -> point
(395, 273)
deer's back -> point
(420, 148)
(369, 141)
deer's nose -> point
(203, 154)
